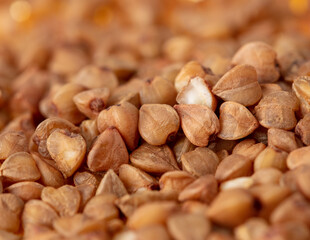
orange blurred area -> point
(139, 26)
(203, 18)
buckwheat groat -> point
(262, 57)
(154, 120)
(199, 123)
(239, 85)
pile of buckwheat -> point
(154, 120)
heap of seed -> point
(123, 129)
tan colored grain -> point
(303, 130)
(151, 213)
(154, 159)
(239, 85)
(108, 151)
(112, 184)
(200, 162)
(249, 148)
(175, 181)
(203, 189)
(183, 226)
(158, 123)
(158, 91)
(261, 56)
(282, 140)
(26, 190)
(67, 149)
(232, 207)
(65, 200)
(135, 179)
(11, 208)
(92, 102)
(233, 166)
(101, 207)
(124, 117)
(199, 123)
(236, 121)
(271, 158)
(20, 167)
(38, 212)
